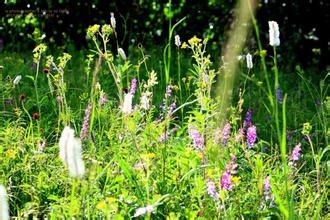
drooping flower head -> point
(112, 20)
(17, 79)
(122, 54)
(274, 34)
(251, 136)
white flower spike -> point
(249, 61)
(4, 210)
(70, 152)
(274, 34)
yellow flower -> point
(150, 155)
(236, 179)
(101, 205)
(184, 45)
(199, 155)
(10, 153)
(194, 40)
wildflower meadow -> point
(169, 124)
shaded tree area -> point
(303, 24)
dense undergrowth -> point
(152, 142)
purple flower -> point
(194, 134)
(85, 126)
(133, 86)
(211, 190)
(103, 100)
(248, 118)
(34, 65)
(295, 155)
(251, 136)
(168, 92)
(139, 165)
(239, 135)
(267, 194)
(225, 133)
(226, 179)
(171, 108)
(226, 182)
(267, 184)
(279, 95)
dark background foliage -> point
(303, 24)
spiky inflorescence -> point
(249, 62)
(274, 34)
(279, 96)
(85, 126)
(197, 138)
(248, 118)
(211, 190)
(251, 136)
(177, 40)
(225, 133)
(295, 155)
(4, 209)
(133, 86)
(70, 152)
(127, 105)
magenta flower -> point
(194, 134)
(251, 136)
(133, 86)
(267, 184)
(225, 133)
(248, 118)
(295, 155)
(226, 182)
(211, 190)
(85, 126)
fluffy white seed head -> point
(274, 34)
(112, 20)
(122, 54)
(17, 79)
(177, 40)
(144, 102)
(127, 105)
(249, 61)
(70, 152)
(4, 210)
